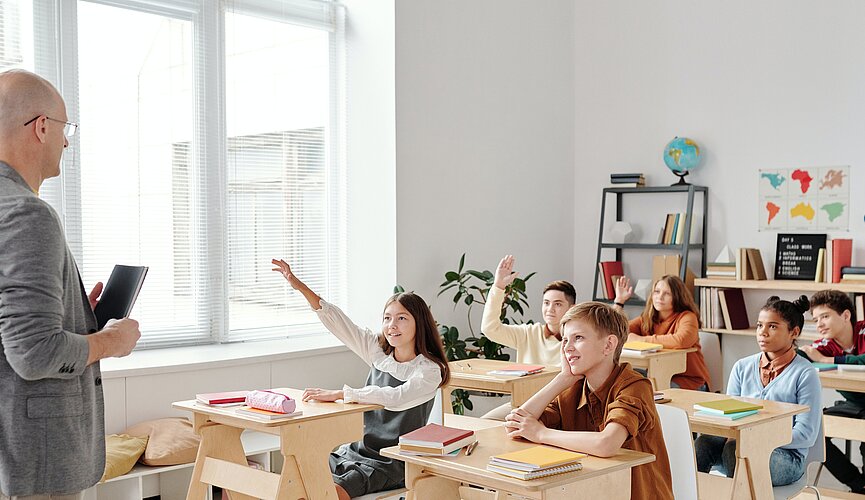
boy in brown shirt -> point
(595, 405)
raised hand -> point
(505, 274)
(283, 268)
(624, 290)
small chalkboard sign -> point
(796, 256)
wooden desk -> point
(439, 478)
(853, 381)
(305, 443)
(756, 436)
(660, 366)
(473, 374)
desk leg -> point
(753, 448)
(217, 441)
(306, 446)
(422, 485)
(661, 372)
(447, 406)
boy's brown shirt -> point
(626, 397)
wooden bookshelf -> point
(784, 285)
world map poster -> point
(804, 199)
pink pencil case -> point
(272, 401)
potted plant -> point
(472, 287)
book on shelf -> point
(842, 254)
(626, 175)
(725, 416)
(852, 270)
(121, 291)
(820, 277)
(268, 415)
(726, 406)
(221, 398)
(669, 228)
(436, 436)
(529, 475)
(859, 302)
(853, 279)
(629, 184)
(518, 370)
(824, 367)
(536, 458)
(755, 263)
(642, 347)
(609, 269)
(733, 308)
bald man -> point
(52, 436)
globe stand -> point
(681, 178)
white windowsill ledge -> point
(190, 358)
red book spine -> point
(842, 254)
(611, 268)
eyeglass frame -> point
(72, 125)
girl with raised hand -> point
(775, 373)
(670, 318)
(407, 365)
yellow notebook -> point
(642, 346)
(537, 457)
(726, 406)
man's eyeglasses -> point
(69, 128)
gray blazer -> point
(52, 431)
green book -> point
(726, 406)
(727, 416)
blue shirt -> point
(798, 383)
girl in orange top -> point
(671, 319)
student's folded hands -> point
(521, 424)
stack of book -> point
(749, 264)
(609, 272)
(627, 180)
(518, 370)
(721, 270)
(435, 440)
(535, 462)
(838, 254)
(726, 409)
(850, 274)
(638, 347)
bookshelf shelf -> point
(683, 249)
(784, 285)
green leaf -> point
(469, 299)
(457, 296)
(488, 275)
(477, 274)
(468, 403)
(462, 261)
(452, 276)
(398, 289)
(443, 290)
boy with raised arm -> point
(842, 342)
(596, 405)
(536, 343)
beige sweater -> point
(532, 346)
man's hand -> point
(116, 340)
(521, 424)
(316, 394)
(505, 274)
(94, 295)
(815, 355)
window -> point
(210, 143)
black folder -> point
(120, 293)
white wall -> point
(772, 84)
(484, 141)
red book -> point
(434, 435)
(735, 305)
(218, 398)
(842, 254)
(611, 268)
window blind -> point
(210, 142)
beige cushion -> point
(121, 453)
(172, 441)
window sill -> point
(183, 359)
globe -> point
(681, 155)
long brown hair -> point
(427, 341)
(682, 301)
